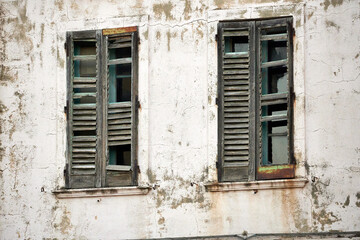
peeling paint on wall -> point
(178, 121)
(163, 9)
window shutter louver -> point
(121, 54)
(234, 105)
(274, 31)
(82, 64)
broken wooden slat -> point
(236, 55)
(279, 117)
(118, 168)
(84, 80)
(85, 57)
(82, 95)
(120, 45)
(119, 61)
(274, 37)
(235, 33)
(277, 63)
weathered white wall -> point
(178, 121)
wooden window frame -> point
(100, 179)
(255, 169)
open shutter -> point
(120, 100)
(274, 99)
(234, 100)
(82, 70)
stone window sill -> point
(100, 192)
(256, 185)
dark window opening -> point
(236, 44)
(120, 155)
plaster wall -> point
(177, 121)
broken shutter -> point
(235, 61)
(274, 99)
(83, 77)
(121, 104)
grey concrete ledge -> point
(101, 192)
(256, 185)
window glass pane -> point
(274, 80)
(120, 155)
(274, 143)
(120, 74)
(273, 50)
(273, 110)
(85, 68)
(123, 89)
(236, 44)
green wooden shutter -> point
(82, 75)
(121, 116)
(234, 51)
(276, 33)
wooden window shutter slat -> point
(121, 112)
(82, 115)
(270, 32)
(234, 95)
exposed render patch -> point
(163, 8)
(60, 60)
(332, 24)
(158, 35)
(169, 36)
(138, 4)
(182, 34)
(347, 202)
(59, 4)
(320, 214)
(358, 199)
(65, 223)
(187, 10)
(146, 34)
(219, 3)
(333, 3)
(42, 32)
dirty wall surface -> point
(177, 121)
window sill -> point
(256, 185)
(100, 192)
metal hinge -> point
(216, 37)
(217, 165)
(66, 48)
(65, 169)
(138, 105)
(66, 109)
(138, 168)
(217, 101)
